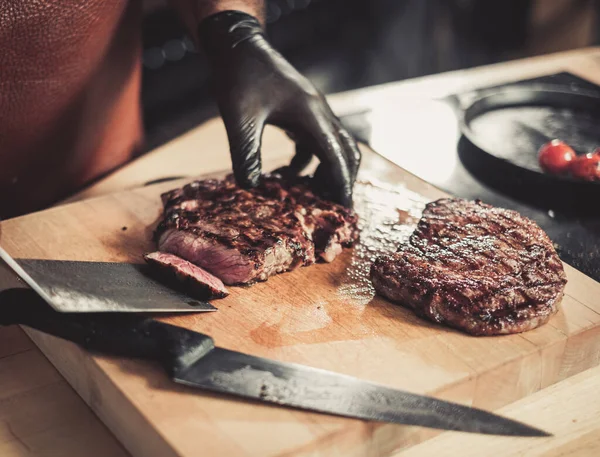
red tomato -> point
(556, 156)
(586, 167)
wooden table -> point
(41, 415)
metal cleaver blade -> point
(95, 287)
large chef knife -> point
(192, 359)
(72, 286)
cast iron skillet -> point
(503, 131)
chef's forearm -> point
(192, 12)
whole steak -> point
(242, 235)
(471, 266)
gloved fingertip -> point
(248, 178)
(347, 201)
(323, 187)
(253, 178)
(344, 198)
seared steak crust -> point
(474, 267)
(244, 235)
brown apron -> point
(69, 96)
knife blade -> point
(191, 358)
(74, 286)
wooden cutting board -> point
(325, 316)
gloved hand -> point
(255, 85)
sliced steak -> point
(474, 267)
(199, 282)
(243, 235)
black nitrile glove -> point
(255, 85)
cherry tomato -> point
(556, 156)
(586, 167)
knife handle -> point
(118, 334)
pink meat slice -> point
(198, 280)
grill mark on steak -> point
(474, 267)
(244, 235)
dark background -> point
(348, 44)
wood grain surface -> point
(569, 410)
(324, 316)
